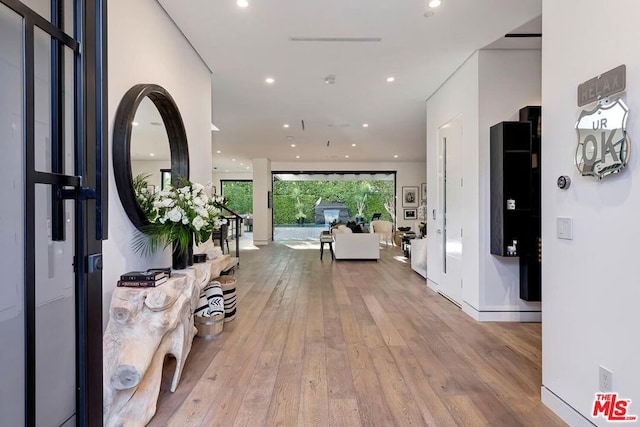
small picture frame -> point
(410, 214)
(409, 197)
(423, 191)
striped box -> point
(228, 284)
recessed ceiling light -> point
(365, 125)
(152, 154)
(353, 145)
(289, 137)
(242, 3)
(391, 79)
(270, 80)
(218, 151)
(241, 164)
(293, 145)
(233, 160)
(285, 125)
(134, 123)
(346, 157)
(432, 3)
(429, 13)
(227, 170)
(395, 155)
(297, 157)
(248, 167)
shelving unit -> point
(531, 261)
(515, 175)
(510, 180)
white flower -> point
(198, 201)
(198, 223)
(167, 203)
(202, 212)
(175, 214)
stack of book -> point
(145, 279)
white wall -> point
(262, 213)
(145, 47)
(408, 174)
(490, 87)
(509, 80)
(589, 284)
(152, 168)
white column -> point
(262, 217)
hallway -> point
(354, 343)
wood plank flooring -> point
(353, 343)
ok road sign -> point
(603, 146)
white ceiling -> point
(244, 46)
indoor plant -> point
(178, 216)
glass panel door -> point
(51, 353)
(12, 252)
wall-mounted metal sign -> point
(603, 145)
(606, 84)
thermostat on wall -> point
(563, 182)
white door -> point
(450, 138)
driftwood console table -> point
(145, 325)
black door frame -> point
(87, 186)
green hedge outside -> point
(347, 192)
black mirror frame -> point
(122, 143)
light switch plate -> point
(564, 227)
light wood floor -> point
(353, 343)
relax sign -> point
(603, 145)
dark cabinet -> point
(510, 187)
(515, 196)
(531, 261)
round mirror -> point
(150, 147)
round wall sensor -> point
(564, 182)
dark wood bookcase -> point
(515, 175)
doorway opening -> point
(305, 203)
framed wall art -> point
(409, 197)
(423, 191)
(410, 214)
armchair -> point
(384, 229)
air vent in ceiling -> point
(523, 35)
(336, 39)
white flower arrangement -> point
(176, 214)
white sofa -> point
(356, 245)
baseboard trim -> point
(562, 409)
(432, 285)
(502, 316)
